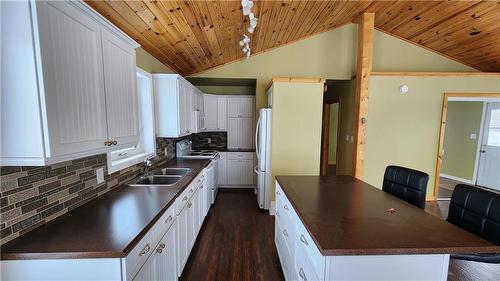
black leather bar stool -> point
(407, 184)
(478, 211)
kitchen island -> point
(337, 228)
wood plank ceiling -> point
(192, 36)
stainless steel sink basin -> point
(157, 180)
(173, 171)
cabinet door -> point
(222, 168)
(182, 240)
(188, 109)
(233, 132)
(245, 133)
(246, 107)
(233, 107)
(182, 97)
(166, 260)
(71, 54)
(210, 107)
(247, 174)
(191, 230)
(222, 113)
(149, 270)
(233, 172)
(121, 92)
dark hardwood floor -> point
(236, 242)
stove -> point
(184, 150)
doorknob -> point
(482, 151)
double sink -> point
(162, 177)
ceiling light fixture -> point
(246, 6)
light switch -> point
(347, 138)
(352, 138)
(473, 136)
(166, 151)
(100, 175)
(209, 140)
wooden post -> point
(364, 68)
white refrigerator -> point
(263, 151)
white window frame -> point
(146, 147)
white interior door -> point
(489, 159)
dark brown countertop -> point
(237, 150)
(109, 226)
(346, 216)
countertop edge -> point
(391, 251)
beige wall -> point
(296, 129)
(332, 146)
(149, 63)
(328, 55)
(459, 150)
(404, 129)
(393, 54)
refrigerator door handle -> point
(256, 170)
(257, 139)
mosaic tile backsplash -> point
(218, 140)
(33, 196)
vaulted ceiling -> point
(192, 36)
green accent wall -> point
(463, 118)
(332, 146)
(149, 63)
(404, 129)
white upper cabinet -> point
(177, 106)
(120, 85)
(222, 113)
(210, 112)
(240, 106)
(70, 90)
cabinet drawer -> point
(166, 220)
(240, 155)
(283, 253)
(304, 269)
(140, 253)
(306, 245)
(183, 199)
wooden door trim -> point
(442, 129)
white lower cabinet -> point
(240, 168)
(222, 168)
(160, 255)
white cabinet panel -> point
(120, 86)
(222, 168)
(210, 111)
(233, 132)
(221, 113)
(233, 107)
(233, 172)
(245, 134)
(247, 174)
(246, 107)
(166, 257)
(72, 70)
(191, 231)
(182, 240)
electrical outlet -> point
(352, 138)
(209, 140)
(100, 175)
(166, 151)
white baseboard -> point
(455, 178)
(272, 210)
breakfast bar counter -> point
(331, 228)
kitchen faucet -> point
(147, 166)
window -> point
(123, 158)
(493, 125)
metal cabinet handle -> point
(278, 192)
(285, 232)
(114, 142)
(285, 207)
(145, 250)
(278, 214)
(302, 274)
(189, 205)
(191, 190)
(185, 198)
(303, 239)
(169, 219)
(106, 143)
